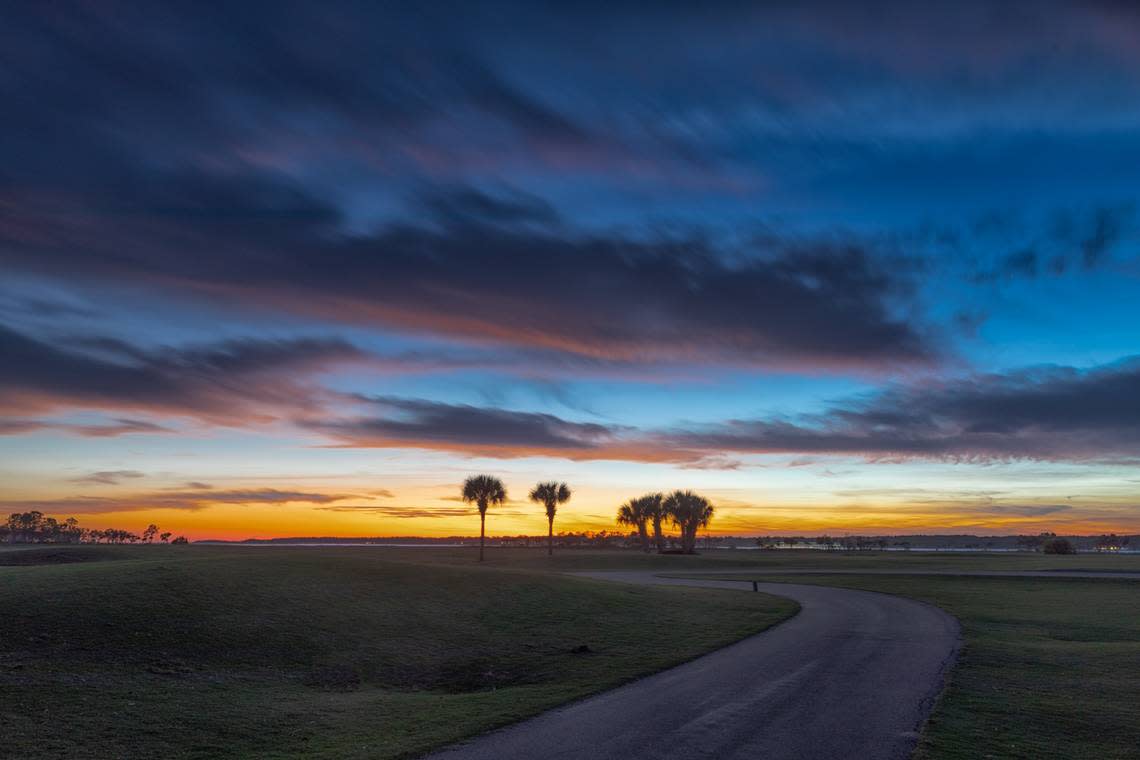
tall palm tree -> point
(652, 506)
(634, 514)
(690, 513)
(483, 491)
(550, 494)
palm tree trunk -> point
(550, 538)
(657, 537)
(644, 534)
(482, 520)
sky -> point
(273, 269)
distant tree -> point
(71, 531)
(180, 540)
(150, 532)
(637, 513)
(24, 527)
(165, 537)
(689, 512)
(483, 491)
(1058, 546)
(550, 495)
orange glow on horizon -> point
(230, 522)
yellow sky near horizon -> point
(362, 494)
(441, 514)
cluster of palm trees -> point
(686, 510)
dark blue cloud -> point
(227, 383)
(1055, 413)
(830, 187)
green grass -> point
(318, 652)
(584, 559)
(1049, 667)
(382, 652)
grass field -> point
(1049, 667)
(381, 652)
(317, 652)
(583, 559)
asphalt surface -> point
(760, 572)
(853, 675)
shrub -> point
(1059, 546)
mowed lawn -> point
(317, 652)
(1049, 667)
(571, 560)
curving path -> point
(853, 675)
(762, 572)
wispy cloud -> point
(403, 512)
(1052, 413)
(107, 477)
(188, 499)
(223, 383)
(114, 427)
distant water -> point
(428, 545)
(329, 543)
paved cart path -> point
(854, 674)
(761, 572)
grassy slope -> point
(207, 652)
(1049, 668)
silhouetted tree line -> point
(1034, 543)
(854, 543)
(36, 528)
(684, 510)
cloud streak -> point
(189, 500)
(618, 297)
(1053, 414)
(1049, 414)
(107, 477)
(231, 382)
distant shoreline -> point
(514, 542)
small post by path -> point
(755, 586)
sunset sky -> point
(299, 268)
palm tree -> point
(634, 514)
(652, 506)
(483, 491)
(550, 494)
(690, 513)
